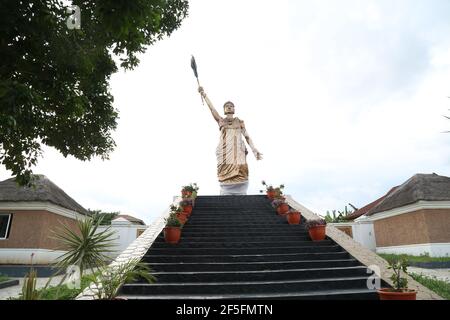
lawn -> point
(422, 258)
(3, 278)
(442, 288)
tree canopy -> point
(54, 79)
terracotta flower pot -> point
(172, 234)
(388, 294)
(283, 209)
(182, 217)
(186, 194)
(293, 217)
(271, 194)
(317, 233)
(187, 210)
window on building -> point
(5, 225)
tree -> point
(104, 217)
(86, 246)
(54, 80)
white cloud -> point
(344, 98)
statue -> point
(231, 153)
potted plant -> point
(178, 212)
(281, 206)
(172, 231)
(272, 192)
(186, 206)
(400, 290)
(293, 217)
(316, 229)
(189, 191)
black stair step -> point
(161, 258)
(259, 275)
(247, 287)
(243, 237)
(279, 225)
(251, 266)
(353, 294)
(243, 244)
(189, 232)
(266, 218)
(240, 228)
(177, 250)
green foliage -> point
(104, 217)
(29, 290)
(54, 80)
(440, 287)
(3, 278)
(411, 259)
(172, 220)
(59, 292)
(339, 217)
(193, 187)
(278, 190)
(87, 247)
(398, 266)
(109, 280)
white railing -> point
(136, 250)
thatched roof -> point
(426, 187)
(43, 190)
(131, 219)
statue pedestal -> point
(234, 189)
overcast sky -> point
(345, 99)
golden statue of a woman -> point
(231, 153)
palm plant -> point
(109, 280)
(87, 247)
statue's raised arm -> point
(214, 112)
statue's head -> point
(228, 108)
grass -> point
(411, 259)
(442, 288)
(62, 292)
(3, 278)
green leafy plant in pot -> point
(179, 213)
(400, 290)
(316, 229)
(172, 231)
(281, 206)
(187, 206)
(190, 191)
(271, 191)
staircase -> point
(237, 247)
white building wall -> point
(125, 233)
(364, 234)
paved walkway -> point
(440, 274)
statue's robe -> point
(231, 153)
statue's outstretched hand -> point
(259, 156)
(201, 91)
